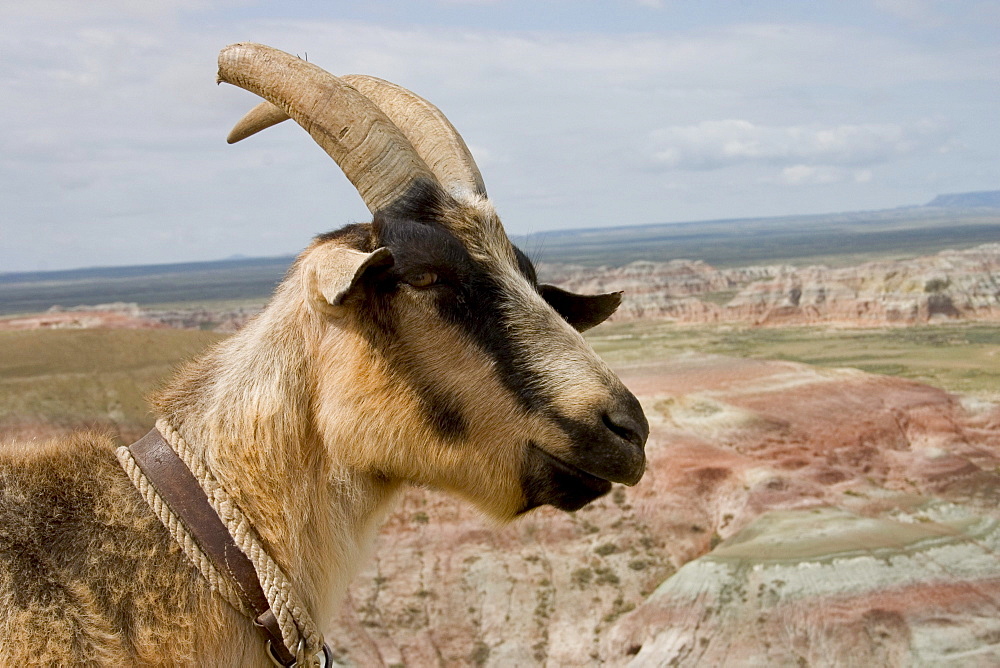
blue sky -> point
(580, 113)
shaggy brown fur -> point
(76, 586)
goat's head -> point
(440, 359)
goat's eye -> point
(423, 280)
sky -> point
(580, 113)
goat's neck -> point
(246, 406)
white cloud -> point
(800, 175)
(113, 125)
(71, 11)
(922, 13)
(719, 144)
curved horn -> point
(373, 153)
(432, 135)
(261, 117)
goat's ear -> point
(334, 273)
(581, 311)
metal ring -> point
(325, 656)
(274, 659)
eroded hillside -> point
(951, 285)
(789, 515)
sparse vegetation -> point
(720, 298)
(956, 357)
(605, 549)
(936, 285)
(480, 654)
(618, 496)
(606, 576)
(582, 577)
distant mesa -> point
(984, 198)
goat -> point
(418, 348)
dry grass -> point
(66, 379)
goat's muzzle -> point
(607, 448)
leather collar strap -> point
(180, 490)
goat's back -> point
(87, 574)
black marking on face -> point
(608, 450)
(440, 409)
(467, 295)
(379, 325)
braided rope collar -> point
(219, 540)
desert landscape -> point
(799, 202)
(822, 488)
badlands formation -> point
(948, 286)
(790, 516)
(952, 285)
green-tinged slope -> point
(74, 378)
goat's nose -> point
(627, 421)
(626, 427)
(609, 444)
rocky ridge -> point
(129, 315)
(950, 285)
